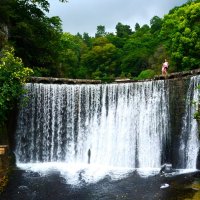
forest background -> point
(33, 44)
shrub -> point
(13, 75)
(146, 74)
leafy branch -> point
(13, 75)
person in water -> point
(89, 155)
(165, 67)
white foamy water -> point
(77, 173)
(189, 137)
(124, 125)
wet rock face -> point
(198, 161)
(177, 96)
(166, 168)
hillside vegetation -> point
(42, 45)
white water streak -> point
(189, 137)
(124, 125)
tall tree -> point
(35, 36)
(102, 60)
(137, 50)
(71, 49)
(87, 39)
(123, 31)
(101, 32)
(156, 24)
(137, 27)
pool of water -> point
(48, 182)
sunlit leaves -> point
(181, 30)
(13, 75)
(101, 60)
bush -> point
(13, 75)
(147, 74)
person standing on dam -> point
(165, 66)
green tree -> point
(137, 27)
(101, 32)
(137, 50)
(87, 39)
(44, 4)
(13, 75)
(123, 31)
(180, 33)
(158, 57)
(35, 37)
(156, 24)
(102, 60)
(115, 40)
(71, 49)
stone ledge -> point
(62, 80)
(175, 75)
(178, 74)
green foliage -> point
(137, 27)
(123, 31)
(197, 115)
(101, 32)
(42, 45)
(87, 39)
(137, 50)
(44, 4)
(146, 74)
(156, 24)
(5, 10)
(41, 72)
(12, 76)
(35, 37)
(101, 61)
(71, 49)
(158, 57)
(181, 32)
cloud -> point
(85, 15)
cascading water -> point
(124, 125)
(189, 137)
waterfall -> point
(123, 125)
(189, 137)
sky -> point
(85, 15)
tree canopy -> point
(181, 31)
(43, 46)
